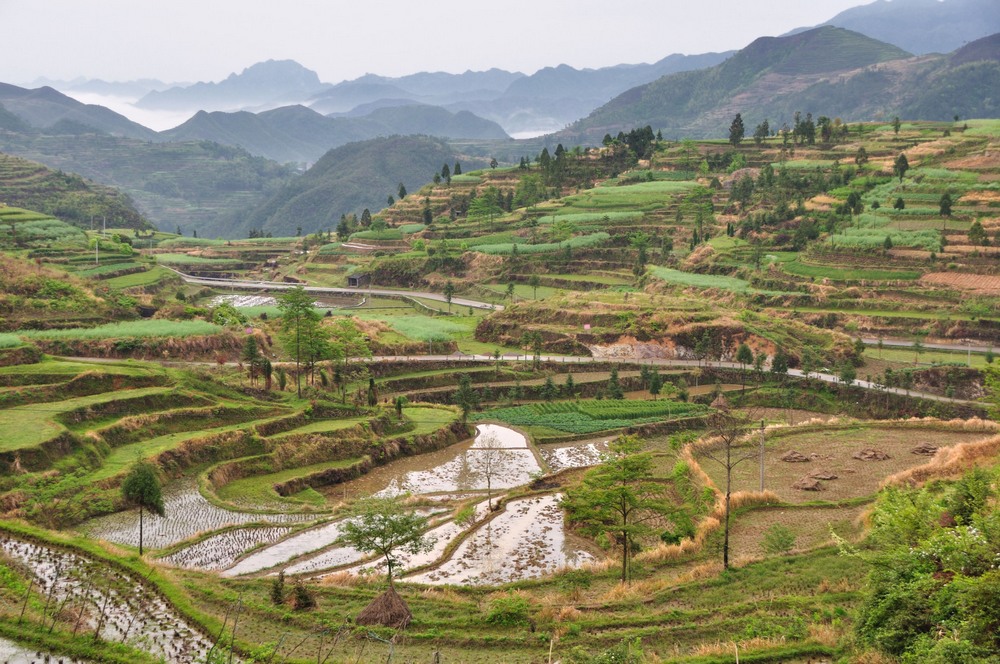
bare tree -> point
(490, 460)
(727, 444)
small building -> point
(359, 280)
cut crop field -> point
(971, 282)
(830, 450)
(811, 527)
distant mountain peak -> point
(923, 26)
(272, 82)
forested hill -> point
(66, 196)
(349, 179)
(826, 70)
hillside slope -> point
(66, 196)
(197, 186)
(47, 109)
(828, 71)
(349, 179)
(923, 26)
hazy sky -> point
(188, 40)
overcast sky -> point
(206, 40)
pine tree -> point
(736, 131)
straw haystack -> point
(387, 610)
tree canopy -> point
(618, 499)
(384, 526)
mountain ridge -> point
(826, 70)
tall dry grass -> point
(724, 648)
(949, 462)
(346, 579)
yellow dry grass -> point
(949, 462)
(343, 580)
(698, 572)
(724, 648)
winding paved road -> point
(660, 362)
(475, 304)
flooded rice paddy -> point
(12, 653)
(577, 454)
(526, 538)
(188, 513)
(221, 551)
(288, 549)
(110, 602)
(456, 469)
(246, 301)
(526, 541)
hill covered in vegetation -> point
(349, 179)
(854, 78)
(69, 197)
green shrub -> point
(778, 539)
(509, 611)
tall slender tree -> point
(618, 498)
(726, 429)
(141, 488)
(298, 321)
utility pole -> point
(762, 456)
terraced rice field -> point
(188, 514)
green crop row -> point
(579, 242)
(587, 217)
(874, 238)
(10, 340)
(591, 416)
(185, 259)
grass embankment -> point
(32, 424)
(135, 328)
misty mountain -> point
(126, 89)
(46, 109)
(299, 134)
(553, 97)
(544, 101)
(768, 77)
(433, 88)
(923, 26)
(349, 179)
(270, 83)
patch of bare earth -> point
(979, 162)
(831, 452)
(980, 283)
